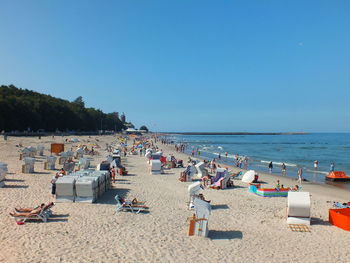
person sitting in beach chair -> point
(127, 205)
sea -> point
(295, 150)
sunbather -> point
(30, 209)
(35, 211)
(128, 202)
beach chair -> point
(193, 190)
(127, 205)
(69, 166)
(199, 221)
(298, 210)
(201, 171)
(221, 179)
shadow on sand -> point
(215, 207)
(14, 180)
(16, 186)
(319, 221)
(108, 197)
(215, 234)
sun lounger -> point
(298, 210)
(129, 206)
(43, 215)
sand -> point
(243, 227)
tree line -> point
(21, 109)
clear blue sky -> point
(187, 65)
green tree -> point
(143, 127)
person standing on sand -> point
(245, 162)
(315, 165)
(53, 182)
(283, 169)
(219, 157)
(192, 152)
(300, 175)
(270, 167)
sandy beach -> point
(243, 227)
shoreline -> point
(270, 178)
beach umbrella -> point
(249, 176)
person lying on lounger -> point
(30, 209)
(28, 214)
(127, 202)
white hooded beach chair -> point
(298, 210)
(201, 171)
(40, 150)
(199, 221)
(69, 167)
(156, 167)
(128, 206)
(84, 163)
(50, 162)
(65, 189)
(3, 172)
(28, 166)
(194, 190)
(86, 189)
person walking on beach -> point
(300, 175)
(331, 169)
(192, 152)
(315, 165)
(219, 157)
(283, 169)
(270, 167)
(245, 162)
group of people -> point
(281, 186)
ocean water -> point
(296, 151)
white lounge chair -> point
(298, 210)
(127, 205)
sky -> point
(185, 65)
